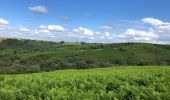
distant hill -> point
(26, 56)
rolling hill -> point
(27, 56)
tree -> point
(62, 42)
(83, 43)
(89, 61)
(81, 65)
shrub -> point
(81, 65)
(123, 49)
(119, 61)
(83, 43)
(90, 61)
(62, 42)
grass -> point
(136, 51)
(124, 83)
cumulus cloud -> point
(138, 35)
(162, 29)
(55, 28)
(153, 31)
(50, 28)
(153, 21)
(4, 27)
(42, 27)
(38, 9)
(3, 22)
(158, 24)
(107, 34)
(42, 31)
(106, 27)
(84, 31)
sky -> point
(101, 21)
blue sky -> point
(87, 20)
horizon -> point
(91, 21)
(5, 38)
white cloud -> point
(84, 31)
(43, 31)
(158, 24)
(3, 29)
(39, 9)
(24, 29)
(42, 27)
(55, 28)
(138, 35)
(162, 29)
(107, 34)
(3, 22)
(50, 28)
(156, 32)
(154, 22)
(106, 27)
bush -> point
(90, 61)
(119, 61)
(81, 65)
(104, 64)
(62, 42)
(64, 65)
(83, 43)
(123, 49)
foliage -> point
(62, 42)
(27, 56)
(123, 83)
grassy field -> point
(123, 83)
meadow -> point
(113, 83)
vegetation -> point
(123, 83)
(28, 56)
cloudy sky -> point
(104, 21)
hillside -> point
(2, 38)
(123, 83)
(27, 56)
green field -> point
(124, 83)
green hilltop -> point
(29, 56)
